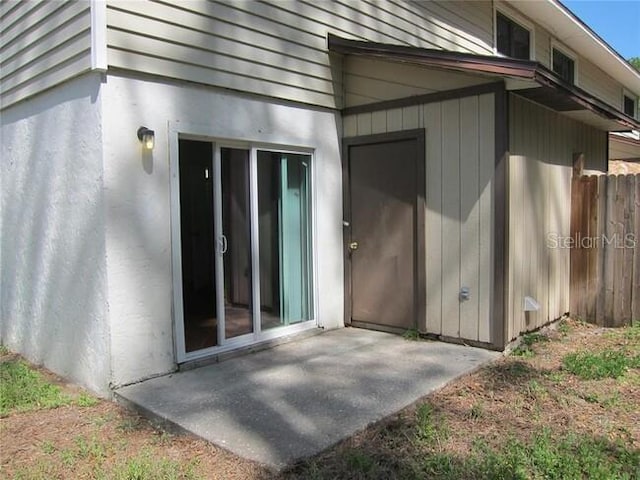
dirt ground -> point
(515, 395)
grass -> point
(142, 466)
(525, 349)
(605, 364)
(564, 408)
(411, 334)
(23, 389)
(545, 456)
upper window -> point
(564, 66)
(513, 40)
(629, 105)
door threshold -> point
(248, 349)
(379, 327)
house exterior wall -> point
(53, 303)
(541, 146)
(589, 76)
(368, 80)
(42, 44)
(278, 48)
(138, 204)
(459, 216)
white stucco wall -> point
(138, 205)
(53, 306)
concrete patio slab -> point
(294, 400)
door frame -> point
(183, 131)
(419, 267)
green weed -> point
(476, 412)
(546, 457)
(411, 334)
(430, 427)
(145, 467)
(525, 349)
(86, 400)
(23, 389)
(594, 366)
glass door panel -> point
(284, 238)
(236, 242)
(200, 317)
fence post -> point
(576, 264)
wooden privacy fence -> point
(605, 248)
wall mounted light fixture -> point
(147, 137)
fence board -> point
(605, 263)
(635, 301)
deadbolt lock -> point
(353, 246)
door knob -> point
(353, 246)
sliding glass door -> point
(245, 220)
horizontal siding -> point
(42, 44)
(278, 48)
(542, 144)
(367, 80)
(459, 216)
(597, 82)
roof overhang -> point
(576, 35)
(534, 81)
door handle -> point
(222, 244)
(353, 246)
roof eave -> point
(502, 66)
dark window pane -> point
(629, 106)
(503, 35)
(563, 66)
(520, 47)
(512, 39)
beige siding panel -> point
(394, 119)
(379, 122)
(392, 27)
(543, 46)
(210, 42)
(459, 170)
(288, 34)
(28, 17)
(72, 67)
(362, 90)
(542, 146)
(410, 117)
(486, 135)
(55, 57)
(471, 21)
(364, 123)
(451, 218)
(155, 48)
(42, 44)
(598, 83)
(207, 18)
(368, 80)
(350, 126)
(469, 216)
(8, 9)
(28, 49)
(433, 220)
(169, 68)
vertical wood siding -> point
(278, 48)
(459, 218)
(542, 144)
(42, 44)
